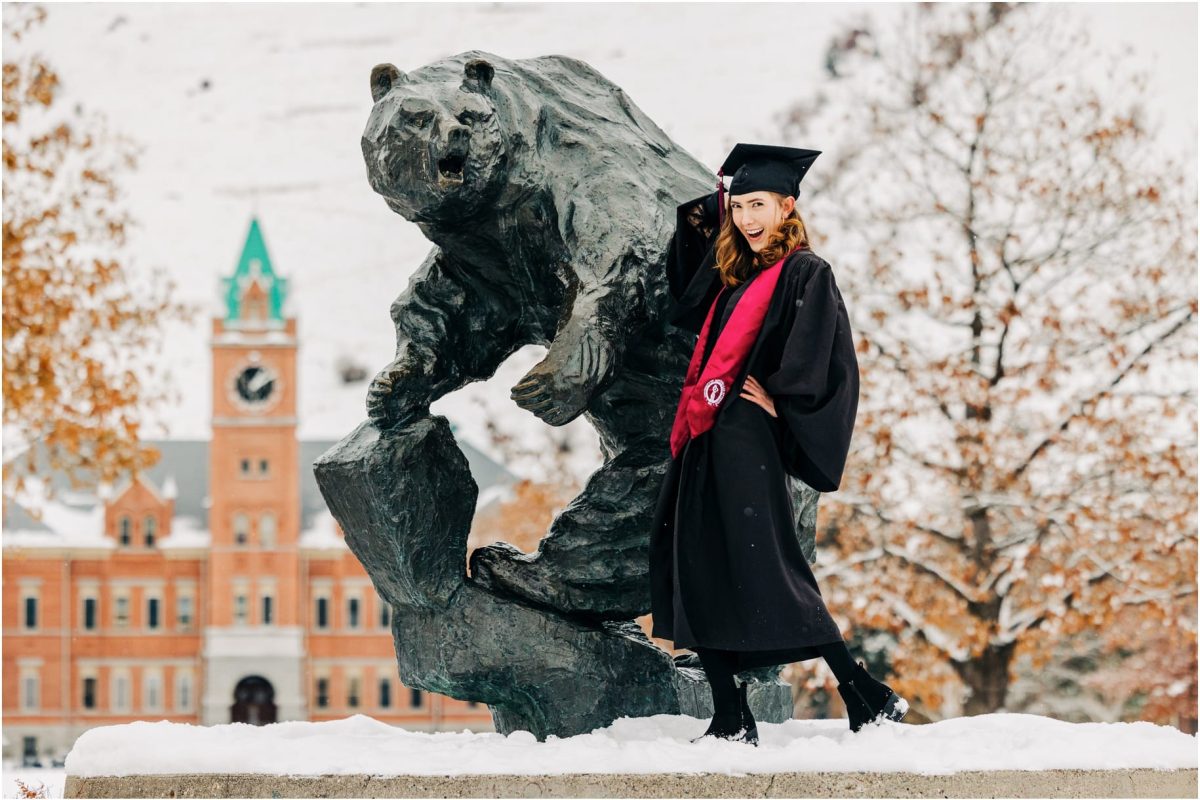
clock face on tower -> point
(254, 387)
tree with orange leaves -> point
(1018, 258)
(77, 331)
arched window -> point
(149, 529)
(241, 529)
(124, 531)
(266, 529)
(385, 613)
(254, 303)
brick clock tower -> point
(254, 639)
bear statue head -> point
(434, 145)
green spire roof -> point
(255, 264)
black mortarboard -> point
(764, 168)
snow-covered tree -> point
(80, 332)
(1018, 258)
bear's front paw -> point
(390, 399)
(560, 387)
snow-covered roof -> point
(75, 517)
(186, 534)
(493, 495)
(322, 534)
(34, 521)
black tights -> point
(721, 665)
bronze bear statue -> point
(550, 199)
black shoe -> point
(736, 726)
(867, 700)
(723, 727)
(748, 723)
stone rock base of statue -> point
(404, 498)
(999, 783)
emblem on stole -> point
(714, 391)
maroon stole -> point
(703, 393)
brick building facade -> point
(214, 587)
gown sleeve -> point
(815, 389)
(691, 278)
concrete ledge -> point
(1000, 783)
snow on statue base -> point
(992, 755)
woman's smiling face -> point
(758, 214)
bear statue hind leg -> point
(594, 562)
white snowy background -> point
(258, 109)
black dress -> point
(726, 567)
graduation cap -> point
(763, 168)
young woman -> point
(771, 392)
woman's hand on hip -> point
(753, 391)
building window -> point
(241, 529)
(31, 612)
(152, 692)
(149, 529)
(29, 751)
(322, 692)
(352, 691)
(263, 466)
(125, 531)
(322, 612)
(121, 611)
(266, 530)
(414, 698)
(183, 691)
(267, 609)
(30, 689)
(239, 608)
(89, 692)
(152, 604)
(183, 611)
(352, 612)
(89, 613)
(385, 613)
(245, 466)
(120, 691)
(385, 693)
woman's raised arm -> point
(691, 278)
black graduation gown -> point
(726, 567)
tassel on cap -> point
(720, 197)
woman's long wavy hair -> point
(737, 262)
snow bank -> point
(362, 745)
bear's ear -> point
(383, 78)
(477, 75)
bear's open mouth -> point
(451, 167)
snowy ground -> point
(361, 745)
